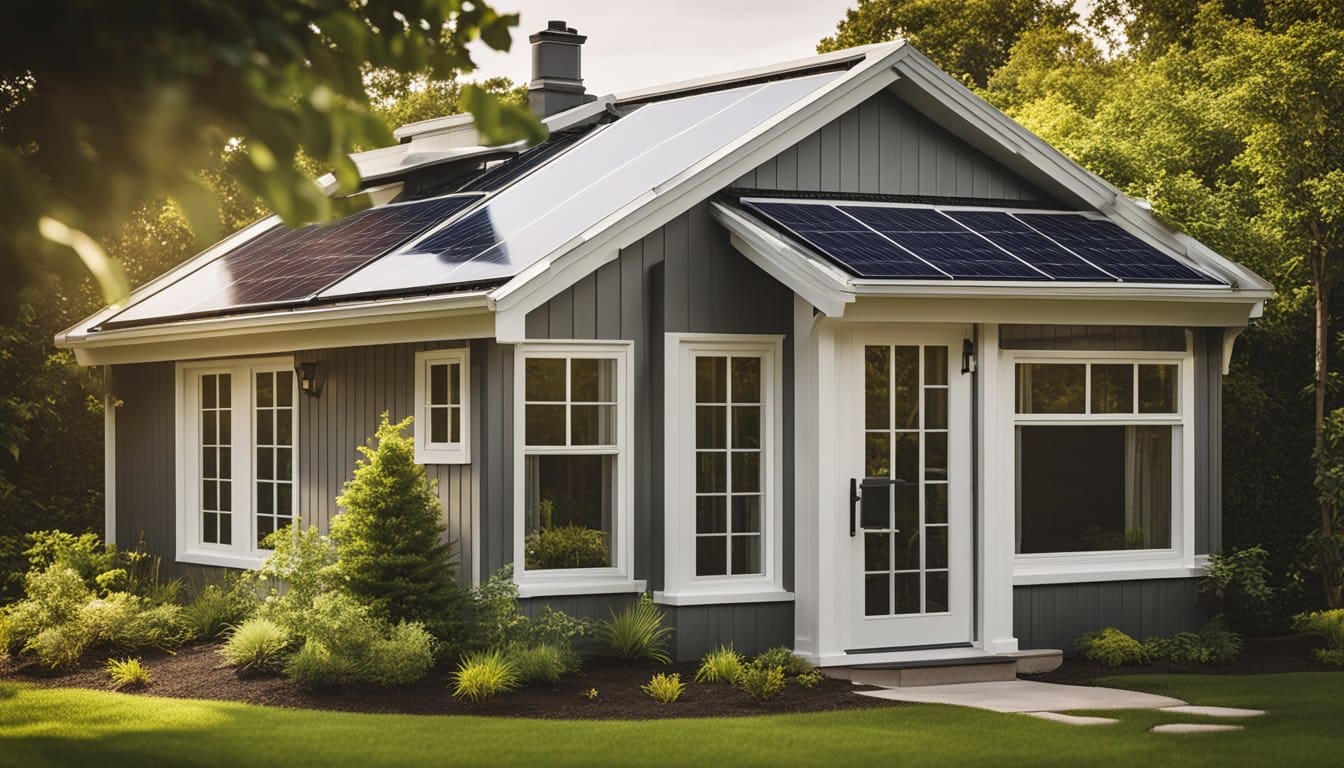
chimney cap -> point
(558, 31)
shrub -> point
(1239, 583)
(301, 560)
(664, 688)
(543, 662)
(721, 665)
(494, 616)
(637, 632)
(59, 647)
(1222, 644)
(482, 675)
(128, 621)
(257, 643)
(128, 673)
(85, 554)
(314, 666)
(1330, 625)
(811, 678)
(390, 554)
(403, 657)
(344, 643)
(784, 658)
(55, 596)
(566, 546)
(556, 627)
(1180, 648)
(1111, 647)
(218, 606)
(760, 682)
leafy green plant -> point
(784, 658)
(85, 554)
(543, 662)
(483, 675)
(810, 679)
(344, 642)
(566, 546)
(128, 673)
(1180, 648)
(1239, 583)
(556, 627)
(60, 646)
(257, 644)
(1111, 647)
(495, 618)
(664, 688)
(637, 632)
(1328, 624)
(218, 606)
(390, 553)
(721, 665)
(300, 562)
(590, 694)
(1221, 644)
(760, 682)
(128, 621)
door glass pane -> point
(711, 380)
(935, 365)
(711, 472)
(711, 426)
(875, 508)
(905, 386)
(935, 546)
(747, 426)
(877, 551)
(935, 408)
(877, 594)
(935, 592)
(746, 380)
(746, 472)
(906, 466)
(905, 595)
(905, 553)
(878, 450)
(935, 503)
(935, 455)
(877, 387)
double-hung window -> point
(237, 443)
(442, 398)
(574, 522)
(1100, 458)
(722, 505)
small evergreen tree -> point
(390, 553)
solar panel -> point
(504, 174)
(1028, 244)
(612, 167)
(287, 265)
(846, 241)
(944, 243)
(1112, 248)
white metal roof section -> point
(618, 165)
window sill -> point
(559, 587)
(244, 562)
(1079, 573)
(723, 597)
(432, 456)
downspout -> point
(975, 485)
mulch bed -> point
(1260, 656)
(195, 672)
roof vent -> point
(557, 83)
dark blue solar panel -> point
(285, 265)
(844, 240)
(1112, 248)
(1029, 245)
(944, 243)
(473, 235)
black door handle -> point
(855, 496)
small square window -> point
(442, 399)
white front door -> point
(908, 450)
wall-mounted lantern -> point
(307, 373)
(967, 356)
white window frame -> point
(243, 551)
(427, 452)
(619, 577)
(1073, 567)
(681, 584)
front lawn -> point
(57, 727)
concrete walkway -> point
(1026, 696)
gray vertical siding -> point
(494, 459)
(1208, 440)
(684, 277)
(1054, 615)
(886, 147)
(749, 627)
(145, 456)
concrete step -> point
(1037, 661)
(946, 671)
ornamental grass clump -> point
(219, 606)
(257, 644)
(665, 689)
(128, 673)
(637, 632)
(721, 665)
(543, 662)
(484, 675)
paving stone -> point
(1195, 728)
(1059, 717)
(1214, 711)
(1026, 696)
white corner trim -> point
(109, 464)
(724, 597)
(442, 453)
(558, 588)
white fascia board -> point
(822, 285)
(572, 261)
(918, 71)
(422, 318)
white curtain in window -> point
(1147, 486)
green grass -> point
(66, 726)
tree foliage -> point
(105, 107)
(391, 552)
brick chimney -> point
(557, 84)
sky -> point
(638, 43)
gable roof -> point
(650, 155)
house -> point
(828, 354)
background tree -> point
(107, 106)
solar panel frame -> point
(283, 266)
(945, 243)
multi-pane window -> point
(216, 483)
(441, 427)
(274, 441)
(728, 465)
(1095, 447)
(239, 440)
(571, 455)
